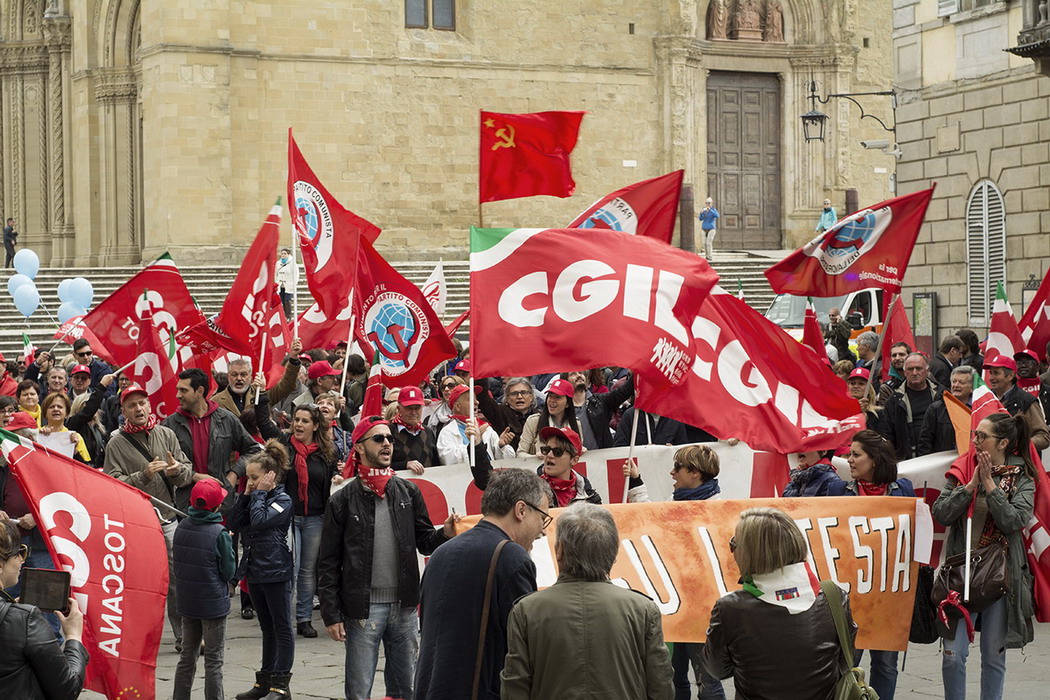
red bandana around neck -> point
(867, 488)
(302, 452)
(151, 423)
(414, 429)
(375, 478)
(564, 489)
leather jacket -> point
(33, 666)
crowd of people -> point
(250, 494)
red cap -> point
(80, 369)
(458, 391)
(132, 389)
(567, 433)
(1004, 361)
(561, 387)
(1026, 353)
(411, 396)
(306, 358)
(364, 426)
(860, 373)
(462, 366)
(207, 494)
(20, 420)
(322, 369)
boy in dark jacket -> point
(202, 554)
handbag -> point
(851, 685)
(988, 579)
(924, 613)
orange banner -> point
(678, 554)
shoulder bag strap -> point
(485, 618)
(834, 597)
(145, 453)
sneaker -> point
(247, 613)
(317, 603)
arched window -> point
(985, 249)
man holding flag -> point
(1001, 373)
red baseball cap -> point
(566, 433)
(860, 373)
(207, 494)
(561, 387)
(80, 369)
(462, 366)
(1026, 353)
(20, 420)
(411, 396)
(366, 424)
(322, 369)
(458, 391)
(1004, 361)
(132, 389)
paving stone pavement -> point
(318, 671)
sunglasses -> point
(84, 354)
(448, 386)
(547, 519)
(380, 439)
(556, 451)
(22, 551)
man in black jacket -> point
(948, 355)
(367, 570)
(901, 419)
(453, 595)
(937, 433)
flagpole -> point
(966, 578)
(349, 342)
(470, 448)
(630, 451)
(878, 350)
(262, 358)
(481, 220)
(295, 283)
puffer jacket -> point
(262, 519)
(1011, 515)
(33, 666)
(813, 481)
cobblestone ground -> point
(318, 672)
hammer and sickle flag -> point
(523, 155)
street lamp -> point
(814, 121)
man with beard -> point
(415, 447)
(368, 572)
(239, 391)
(519, 402)
(1002, 380)
(898, 351)
(1028, 378)
(594, 412)
(937, 432)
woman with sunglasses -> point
(33, 665)
(560, 449)
(1004, 487)
(442, 414)
(557, 412)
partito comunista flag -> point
(541, 301)
(646, 208)
(106, 534)
(869, 248)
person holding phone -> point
(32, 663)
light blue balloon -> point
(27, 299)
(27, 263)
(68, 310)
(63, 290)
(81, 292)
(16, 281)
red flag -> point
(454, 326)
(1037, 540)
(811, 334)
(316, 330)
(751, 380)
(541, 301)
(395, 319)
(328, 233)
(1035, 324)
(523, 155)
(870, 248)
(897, 330)
(74, 329)
(372, 404)
(106, 534)
(1004, 337)
(646, 208)
(153, 369)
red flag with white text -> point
(750, 380)
(897, 330)
(869, 248)
(154, 369)
(106, 534)
(1035, 324)
(74, 329)
(523, 155)
(646, 208)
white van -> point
(862, 310)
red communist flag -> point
(646, 208)
(750, 380)
(328, 233)
(106, 534)
(317, 330)
(869, 248)
(898, 330)
(541, 302)
(811, 334)
(1035, 324)
(154, 368)
(523, 155)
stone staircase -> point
(210, 284)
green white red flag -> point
(1004, 336)
(28, 349)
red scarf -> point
(414, 429)
(867, 488)
(375, 478)
(130, 429)
(564, 489)
(301, 474)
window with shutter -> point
(947, 7)
(985, 249)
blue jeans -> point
(306, 532)
(883, 674)
(398, 629)
(39, 558)
(993, 655)
(273, 607)
(708, 687)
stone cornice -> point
(23, 57)
(116, 85)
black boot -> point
(306, 629)
(279, 687)
(260, 689)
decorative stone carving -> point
(717, 19)
(773, 22)
(30, 16)
(746, 22)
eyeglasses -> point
(519, 394)
(86, 353)
(380, 439)
(448, 385)
(22, 551)
(547, 519)
(556, 451)
(978, 436)
(732, 544)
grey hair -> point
(240, 361)
(586, 542)
(520, 380)
(925, 360)
(508, 486)
(964, 369)
(868, 338)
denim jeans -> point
(883, 674)
(39, 558)
(708, 687)
(993, 655)
(398, 629)
(213, 633)
(273, 608)
(174, 619)
(306, 530)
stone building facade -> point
(972, 117)
(130, 127)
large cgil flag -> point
(1035, 324)
(869, 248)
(750, 380)
(542, 301)
(106, 534)
(523, 155)
(646, 208)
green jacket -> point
(586, 639)
(1010, 516)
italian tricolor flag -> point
(984, 403)
(1004, 336)
(27, 349)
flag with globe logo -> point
(646, 208)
